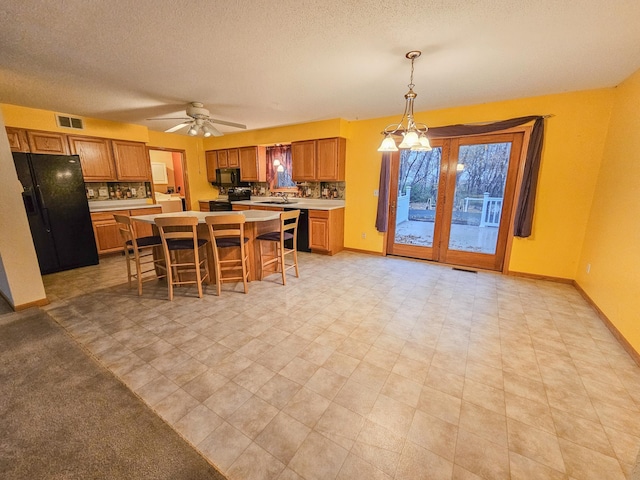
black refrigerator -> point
(56, 203)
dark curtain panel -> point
(526, 201)
(524, 211)
(277, 179)
(382, 216)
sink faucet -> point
(283, 196)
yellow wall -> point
(612, 242)
(573, 146)
(35, 119)
(285, 134)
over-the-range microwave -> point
(228, 177)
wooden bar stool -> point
(183, 252)
(139, 252)
(288, 231)
(226, 232)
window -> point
(279, 169)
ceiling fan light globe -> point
(193, 131)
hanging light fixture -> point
(414, 135)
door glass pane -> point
(477, 209)
(417, 194)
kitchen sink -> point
(278, 202)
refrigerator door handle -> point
(43, 209)
(40, 198)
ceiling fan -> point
(197, 120)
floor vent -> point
(464, 270)
(70, 122)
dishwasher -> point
(303, 231)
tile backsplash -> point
(118, 190)
(332, 190)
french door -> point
(453, 204)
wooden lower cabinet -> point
(326, 231)
(107, 233)
(204, 206)
(144, 229)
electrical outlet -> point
(364, 235)
(376, 193)
(588, 268)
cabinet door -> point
(232, 158)
(96, 158)
(253, 164)
(319, 233)
(132, 162)
(143, 229)
(223, 159)
(330, 158)
(238, 208)
(106, 231)
(48, 142)
(211, 159)
(204, 206)
(303, 160)
(18, 139)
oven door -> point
(219, 206)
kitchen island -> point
(257, 222)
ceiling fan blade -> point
(169, 118)
(214, 131)
(176, 128)
(229, 124)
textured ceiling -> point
(276, 63)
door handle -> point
(40, 198)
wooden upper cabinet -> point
(330, 159)
(18, 139)
(48, 142)
(303, 161)
(253, 164)
(233, 160)
(223, 159)
(211, 159)
(131, 160)
(95, 157)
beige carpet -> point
(64, 416)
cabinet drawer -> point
(319, 213)
(107, 216)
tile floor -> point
(370, 368)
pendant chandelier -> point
(414, 135)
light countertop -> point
(109, 205)
(250, 215)
(303, 203)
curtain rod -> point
(496, 121)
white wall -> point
(20, 280)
